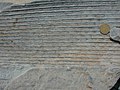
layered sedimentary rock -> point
(47, 33)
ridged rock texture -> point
(53, 33)
(17, 1)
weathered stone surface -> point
(5, 5)
(58, 32)
(17, 1)
(115, 34)
(72, 78)
(8, 72)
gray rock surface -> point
(16, 1)
(8, 72)
(59, 33)
(115, 34)
(5, 5)
(72, 78)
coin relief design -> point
(104, 29)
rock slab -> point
(63, 79)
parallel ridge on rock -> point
(59, 31)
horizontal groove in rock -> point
(58, 23)
(60, 11)
(37, 16)
(78, 44)
(83, 4)
(59, 8)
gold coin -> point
(104, 29)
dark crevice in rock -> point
(116, 86)
(114, 41)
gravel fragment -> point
(115, 34)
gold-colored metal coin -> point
(104, 29)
